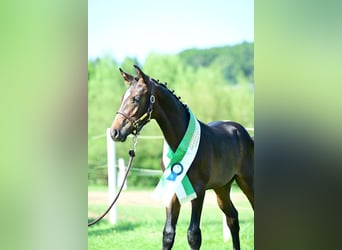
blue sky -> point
(136, 28)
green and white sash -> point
(174, 179)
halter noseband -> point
(140, 122)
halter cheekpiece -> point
(140, 122)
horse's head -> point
(136, 106)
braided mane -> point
(171, 91)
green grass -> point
(140, 228)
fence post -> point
(111, 176)
(121, 174)
(225, 229)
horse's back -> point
(231, 128)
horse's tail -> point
(243, 132)
(245, 176)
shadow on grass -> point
(104, 227)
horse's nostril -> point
(114, 133)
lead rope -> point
(131, 156)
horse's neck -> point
(171, 116)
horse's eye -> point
(136, 99)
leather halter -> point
(139, 123)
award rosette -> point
(174, 179)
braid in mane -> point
(170, 91)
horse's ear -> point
(127, 77)
(141, 74)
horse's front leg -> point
(194, 231)
(169, 232)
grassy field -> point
(140, 227)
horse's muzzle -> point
(117, 135)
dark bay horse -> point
(225, 152)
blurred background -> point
(44, 97)
(205, 53)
